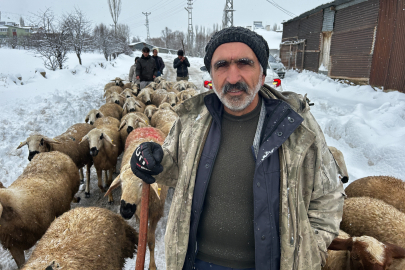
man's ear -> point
(263, 79)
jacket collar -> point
(143, 57)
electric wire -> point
(281, 8)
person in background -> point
(160, 65)
(146, 70)
(181, 63)
(132, 73)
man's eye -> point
(221, 64)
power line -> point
(281, 8)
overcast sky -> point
(170, 13)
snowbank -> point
(272, 38)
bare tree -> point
(51, 41)
(115, 10)
(78, 28)
(22, 23)
(274, 27)
(103, 40)
(135, 39)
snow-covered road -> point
(368, 126)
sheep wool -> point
(85, 238)
(388, 189)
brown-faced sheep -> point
(105, 146)
(67, 143)
(388, 189)
(362, 253)
(108, 109)
(340, 161)
(133, 105)
(186, 94)
(29, 205)
(375, 218)
(132, 187)
(145, 96)
(150, 110)
(161, 95)
(164, 120)
(132, 121)
(89, 238)
(115, 98)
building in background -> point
(10, 29)
(359, 40)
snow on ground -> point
(367, 126)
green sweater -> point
(225, 233)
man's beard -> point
(241, 102)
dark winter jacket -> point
(182, 70)
(146, 68)
(160, 65)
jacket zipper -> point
(205, 191)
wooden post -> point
(303, 55)
(143, 228)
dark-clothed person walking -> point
(160, 65)
(146, 70)
(181, 63)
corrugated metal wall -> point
(308, 28)
(388, 66)
(352, 41)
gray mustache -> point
(242, 86)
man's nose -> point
(234, 75)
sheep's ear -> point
(1, 185)
(51, 141)
(1, 210)
(341, 244)
(156, 189)
(165, 99)
(396, 251)
(84, 139)
(108, 139)
(123, 123)
(116, 183)
(87, 119)
(22, 144)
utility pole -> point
(190, 34)
(227, 19)
(147, 24)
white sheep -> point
(116, 82)
(67, 143)
(105, 146)
(150, 110)
(161, 95)
(29, 205)
(132, 121)
(115, 98)
(85, 238)
(112, 89)
(128, 92)
(133, 105)
(386, 188)
(145, 95)
(108, 109)
(132, 187)
(164, 120)
(186, 94)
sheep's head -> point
(127, 93)
(118, 81)
(150, 111)
(116, 98)
(132, 121)
(166, 106)
(131, 187)
(180, 86)
(144, 96)
(153, 85)
(135, 89)
(37, 144)
(96, 139)
(165, 85)
(170, 98)
(340, 161)
(92, 116)
(132, 105)
(368, 253)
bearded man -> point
(256, 185)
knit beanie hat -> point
(238, 34)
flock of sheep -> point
(36, 205)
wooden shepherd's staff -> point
(143, 228)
